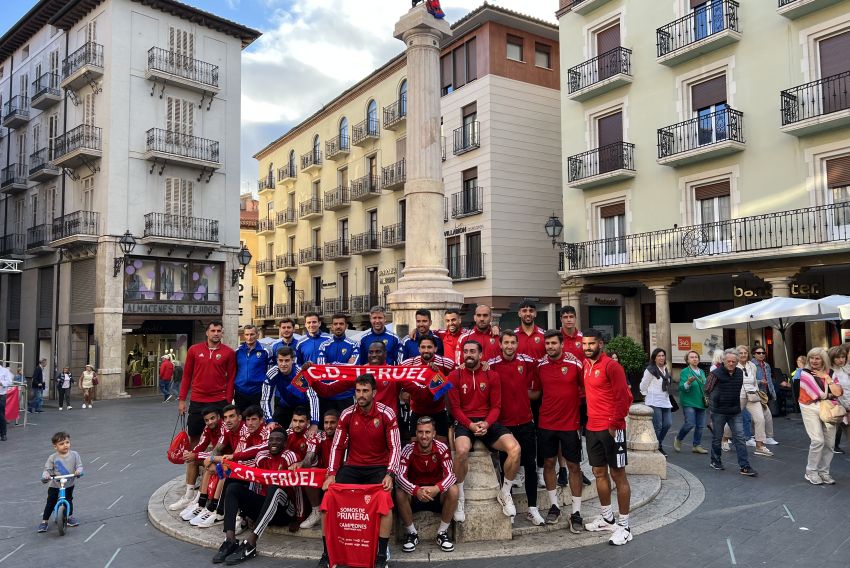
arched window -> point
(343, 134)
(372, 118)
(291, 163)
(402, 98)
(317, 149)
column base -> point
(416, 293)
(484, 518)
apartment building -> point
(332, 207)
(707, 170)
(120, 182)
(249, 216)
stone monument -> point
(642, 444)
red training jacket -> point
(209, 372)
(608, 394)
(474, 394)
(371, 438)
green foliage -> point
(632, 356)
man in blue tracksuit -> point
(286, 338)
(378, 332)
(307, 348)
(252, 362)
(338, 350)
(410, 345)
(276, 386)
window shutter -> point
(610, 129)
(83, 287)
(186, 200)
(608, 39)
(471, 61)
(446, 70)
(711, 190)
(708, 93)
(697, 3)
(834, 58)
(14, 299)
(459, 66)
(189, 117)
(613, 210)
(169, 196)
(400, 149)
(838, 172)
(171, 39)
(169, 114)
(45, 294)
(190, 45)
(470, 174)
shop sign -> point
(326, 285)
(797, 290)
(387, 276)
(173, 309)
(461, 230)
(602, 299)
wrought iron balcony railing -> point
(265, 225)
(337, 249)
(365, 187)
(393, 235)
(365, 242)
(89, 54)
(286, 217)
(262, 312)
(465, 266)
(12, 245)
(48, 83)
(702, 22)
(13, 175)
(39, 236)
(361, 304)
(394, 175)
(466, 138)
(183, 66)
(183, 145)
(336, 146)
(310, 254)
(286, 261)
(340, 305)
(283, 311)
(396, 112)
(181, 227)
(265, 183)
(40, 160)
(265, 266)
(76, 223)
(16, 107)
(83, 137)
(313, 158)
(310, 207)
(289, 171)
(616, 156)
(369, 128)
(469, 201)
(711, 128)
(308, 306)
(601, 67)
(337, 198)
(816, 98)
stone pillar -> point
(662, 314)
(230, 299)
(780, 287)
(642, 445)
(108, 321)
(425, 282)
(484, 518)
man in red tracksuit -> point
(529, 336)
(422, 401)
(209, 371)
(452, 335)
(483, 333)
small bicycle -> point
(62, 505)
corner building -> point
(332, 210)
(119, 116)
(706, 163)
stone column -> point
(108, 321)
(662, 314)
(484, 518)
(425, 282)
(780, 286)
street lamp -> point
(554, 227)
(289, 282)
(244, 258)
(127, 242)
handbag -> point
(829, 410)
(763, 398)
(179, 442)
(753, 397)
(94, 381)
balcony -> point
(82, 67)
(394, 176)
(337, 148)
(469, 201)
(38, 239)
(392, 236)
(816, 106)
(585, 6)
(466, 138)
(703, 138)
(607, 164)
(265, 226)
(601, 74)
(366, 131)
(308, 306)
(365, 188)
(76, 227)
(287, 174)
(811, 230)
(337, 198)
(284, 311)
(265, 184)
(167, 147)
(13, 179)
(465, 267)
(286, 218)
(262, 312)
(310, 209)
(266, 266)
(163, 228)
(395, 115)
(16, 112)
(362, 304)
(181, 71)
(701, 31)
(337, 250)
(41, 168)
(310, 256)
(12, 246)
(366, 243)
(80, 145)
(46, 91)
(336, 306)
(311, 161)
(286, 261)
(793, 9)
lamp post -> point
(244, 258)
(127, 242)
(554, 228)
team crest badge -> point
(434, 458)
(367, 498)
(520, 369)
(376, 422)
(563, 370)
(578, 343)
(258, 355)
(384, 341)
(492, 340)
(596, 373)
(537, 339)
(482, 386)
(344, 351)
(218, 355)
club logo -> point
(376, 422)
(258, 354)
(218, 356)
(537, 339)
(482, 386)
(367, 499)
(520, 369)
(344, 351)
(578, 343)
(492, 340)
(596, 373)
(201, 355)
(563, 370)
(465, 388)
(434, 458)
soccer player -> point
(252, 361)
(307, 348)
(426, 482)
(369, 432)
(608, 400)
(277, 381)
(378, 333)
(210, 371)
(557, 385)
(516, 377)
(299, 442)
(484, 333)
(422, 401)
(451, 335)
(212, 436)
(319, 447)
(286, 337)
(475, 403)
(529, 336)
(572, 336)
(338, 350)
(410, 344)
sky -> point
(310, 51)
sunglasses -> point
(759, 353)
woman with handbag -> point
(819, 392)
(692, 401)
(838, 363)
(655, 387)
(88, 380)
(751, 402)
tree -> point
(631, 355)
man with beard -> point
(338, 350)
(212, 436)
(422, 401)
(484, 333)
(286, 338)
(529, 335)
(410, 344)
(452, 335)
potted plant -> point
(633, 359)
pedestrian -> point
(64, 382)
(6, 381)
(655, 387)
(751, 402)
(166, 375)
(88, 380)
(723, 388)
(817, 384)
(61, 462)
(764, 378)
(37, 387)
(692, 401)
(838, 363)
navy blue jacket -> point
(277, 384)
(251, 367)
(390, 341)
(410, 347)
(307, 348)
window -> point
(612, 229)
(181, 42)
(88, 194)
(290, 244)
(453, 256)
(607, 41)
(88, 109)
(270, 210)
(372, 284)
(316, 237)
(91, 31)
(342, 231)
(317, 291)
(36, 137)
(317, 149)
(708, 100)
(473, 265)
(52, 133)
(343, 133)
(270, 297)
(542, 56)
(49, 206)
(402, 98)
(343, 290)
(25, 52)
(18, 216)
(713, 207)
(25, 85)
(22, 153)
(372, 167)
(708, 17)
(469, 202)
(458, 67)
(316, 189)
(515, 48)
(54, 69)
(372, 125)
(291, 163)
(834, 61)
(34, 209)
(610, 136)
(180, 116)
(838, 191)
(179, 197)
(372, 221)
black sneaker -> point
(584, 479)
(716, 465)
(837, 450)
(748, 471)
(227, 548)
(554, 515)
(446, 544)
(562, 477)
(324, 562)
(381, 561)
(244, 552)
(410, 542)
(576, 523)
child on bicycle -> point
(61, 462)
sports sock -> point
(576, 504)
(553, 497)
(212, 504)
(411, 528)
(190, 488)
(382, 545)
(623, 521)
(444, 527)
(608, 513)
(460, 490)
(202, 500)
(506, 486)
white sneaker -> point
(763, 451)
(241, 525)
(210, 521)
(826, 478)
(460, 515)
(600, 524)
(205, 520)
(533, 516)
(191, 511)
(771, 442)
(311, 520)
(751, 442)
(726, 446)
(91, 406)
(60, 409)
(84, 406)
(519, 480)
(813, 478)
(68, 407)
(621, 536)
(540, 481)
(507, 503)
(200, 516)
(188, 498)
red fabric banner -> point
(13, 404)
(434, 380)
(353, 522)
(306, 477)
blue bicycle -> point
(63, 506)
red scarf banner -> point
(307, 477)
(434, 380)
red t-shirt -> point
(532, 345)
(353, 521)
(422, 401)
(297, 443)
(516, 378)
(451, 341)
(560, 381)
(488, 341)
(474, 394)
(608, 394)
(572, 344)
(209, 372)
(418, 470)
(371, 438)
